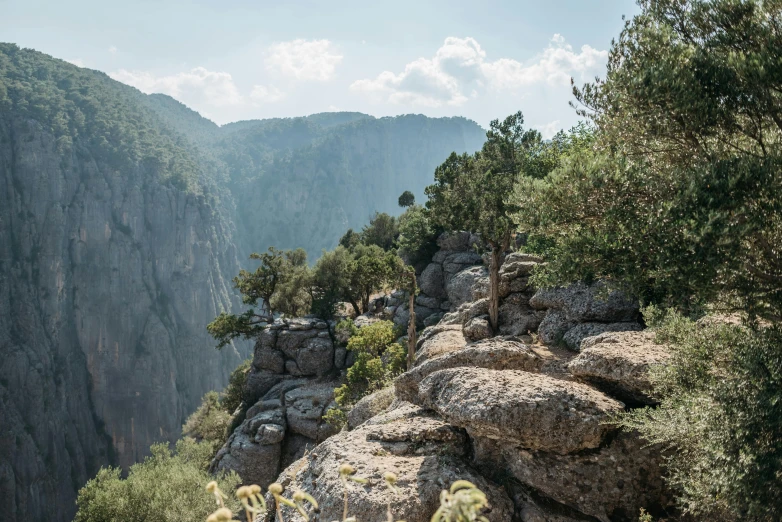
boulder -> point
(610, 484)
(495, 353)
(459, 287)
(457, 241)
(438, 340)
(370, 406)
(423, 452)
(553, 327)
(578, 333)
(517, 318)
(316, 356)
(619, 363)
(255, 463)
(530, 410)
(433, 319)
(477, 328)
(582, 303)
(432, 282)
(304, 409)
(428, 302)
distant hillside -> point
(300, 182)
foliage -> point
(280, 274)
(351, 276)
(463, 502)
(417, 235)
(293, 296)
(350, 239)
(721, 413)
(379, 358)
(406, 199)
(165, 487)
(209, 423)
(680, 199)
(381, 231)
(233, 392)
(85, 108)
(470, 191)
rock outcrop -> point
(425, 453)
(619, 363)
(579, 311)
(290, 387)
(527, 420)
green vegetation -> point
(84, 108)
(406, 199)
(379, 358)
(417, 236)
(166, 487)
(209, 423)
(470, 191)
(722, 416)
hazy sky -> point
(236, 60)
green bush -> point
(232, 395)
(378, 359)
(209, 423)
(721, 414)
(165, 487)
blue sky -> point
(236, 60)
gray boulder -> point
(432, 281)
(619, 363)
(370, 406)
(526, 409)
(495, 354)
(459, 287)
(425, 454)
(477, 328)
(578, 333)
(582, 303)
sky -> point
(242, 59)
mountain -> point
(301, 182)
(115, 250)
(123, 217)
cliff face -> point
(107, 279)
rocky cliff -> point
(524, 414)
(108, 274)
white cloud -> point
(266, 94)
(309, 60)
(549, 129)
(196, 87)
(459, 71)
(113, 50)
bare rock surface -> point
(531, 410)
(370, 406)
(582, 303)
(611, 483)
(575, 336)
(438, 340)
(495, 354)
(424, 452)
(618, 363)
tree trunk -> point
(355, 307)
(494, 286)
(411, 333)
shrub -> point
(232, 395)
(378, 359)
(721, 414)
(209, 423)
(165, 487)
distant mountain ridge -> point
(123, 217)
